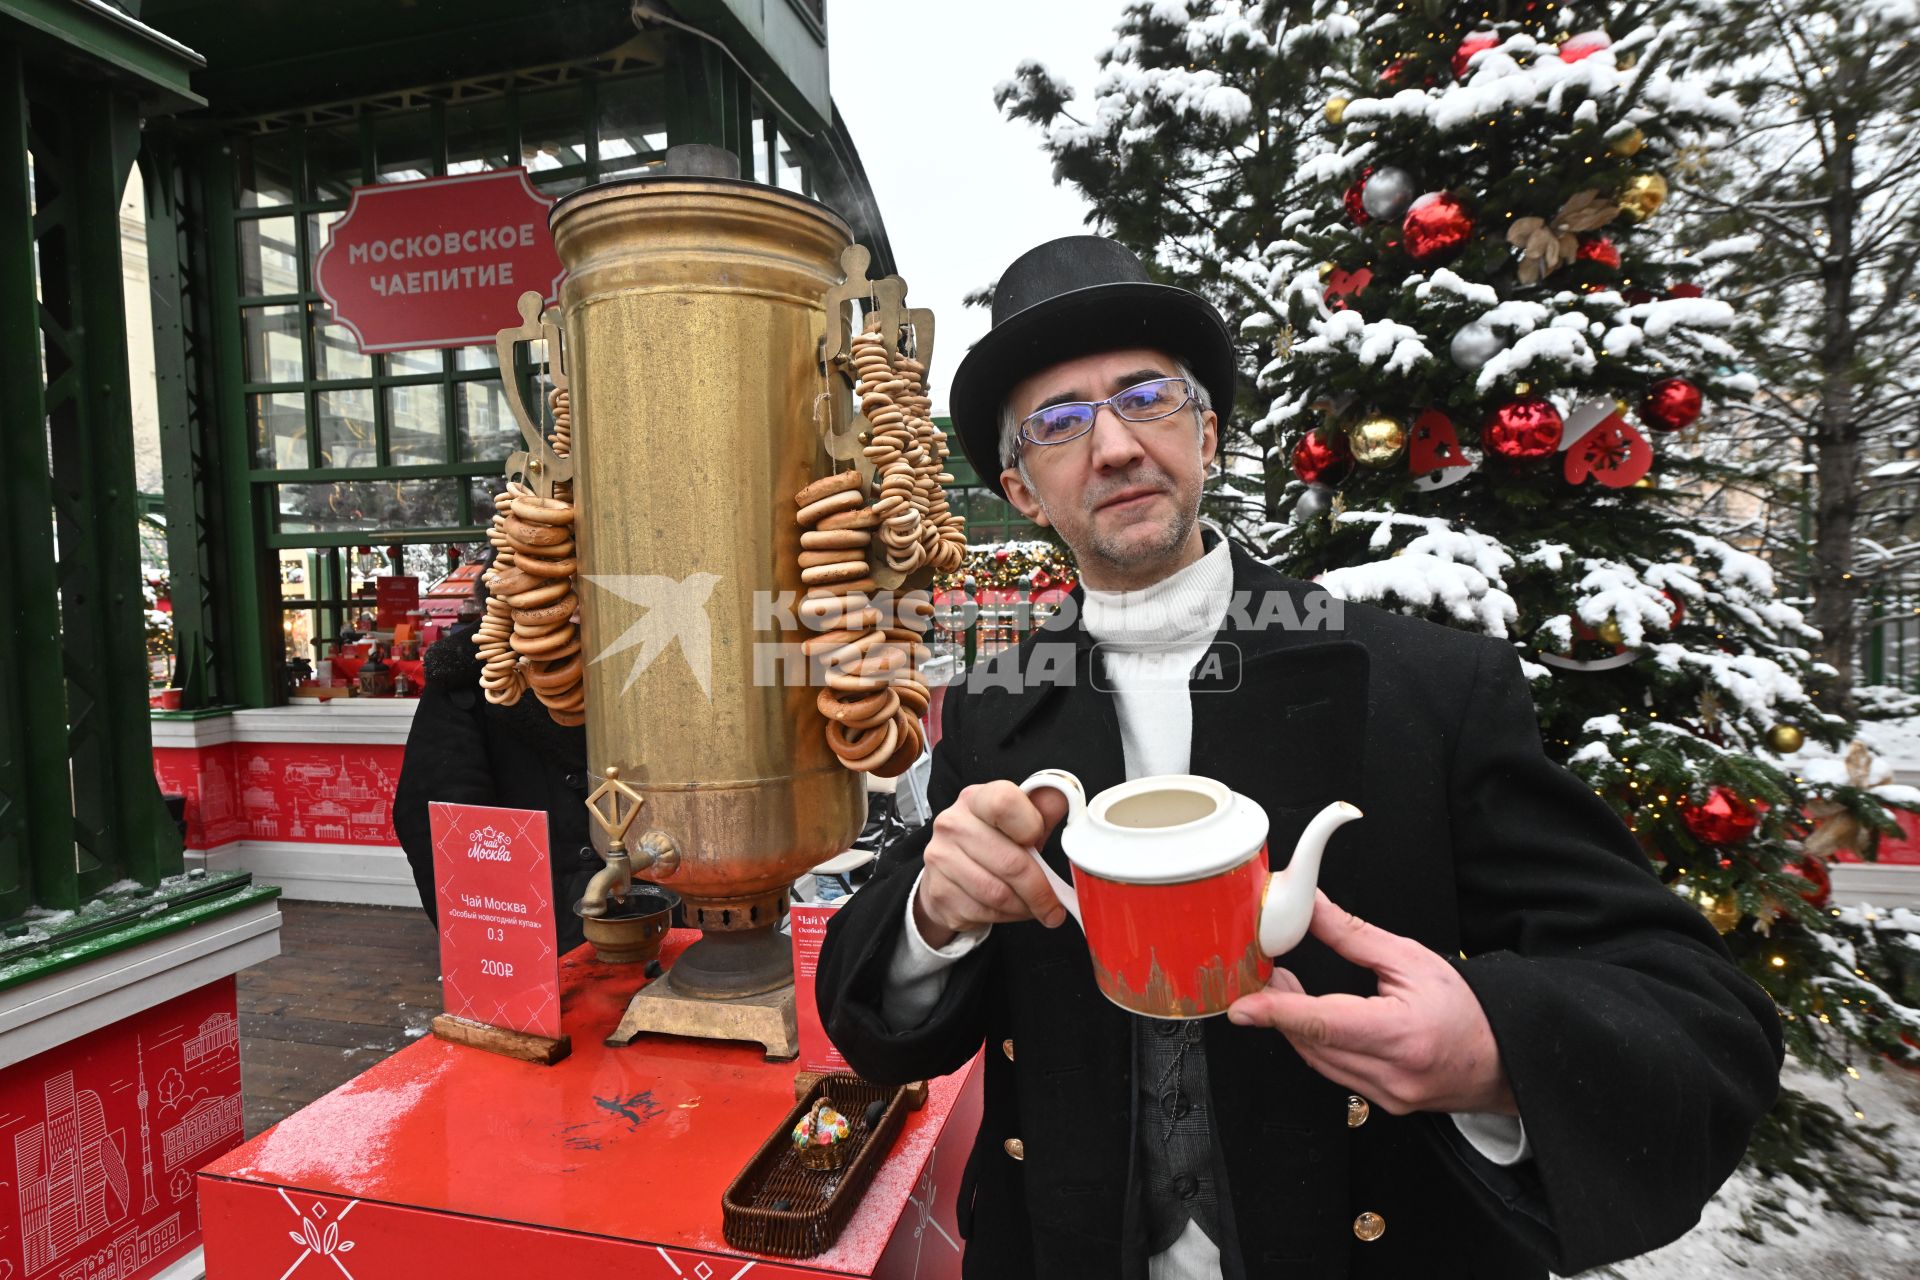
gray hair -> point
(1011, 456)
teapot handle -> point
(1069, 786)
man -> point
(1505, 1048)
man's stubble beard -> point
(1100, 546)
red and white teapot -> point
(1171, 887)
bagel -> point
(549, 569)
(863, 518)
(834, 707)
(512, 582)
(526, 549)
(574, 701)
(535, 509)
(913, 696)
(836, 555)
(572, 719)
(828, 641)
(859, 586)
(887, 710)
(558, 675)
(852, 651)
(847, 682)
(825, 574)
(541, 596)
(859, 752)
(832, 504)
(826, 487)
(535, 535)
(546, 615)
(539, 646)
(834, 539)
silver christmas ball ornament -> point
(1388, 193)
(1312, 504)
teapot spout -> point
(1287, 908)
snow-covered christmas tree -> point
(1481, 372)
(1489, 369)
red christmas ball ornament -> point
(1671, 404)
(1473, 44)
(1437, 225)
(1584, 45)
(1687, 290)
(1637, 296)
(1813, 870)
(1353, 200)
(1395, 72)
(1322, 457)
(1523, 429)
(1601, 250)
(1722, 818)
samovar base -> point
(728, 964)
(766, 1019)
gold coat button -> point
(1357, 1111)
(1015, 1148)
(1006, 1047)
(1369, 1226)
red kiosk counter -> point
(446, 1159)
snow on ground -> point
(1829, 1245)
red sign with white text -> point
(499, 954)
(808, 921)
(100, 1138)
(438, 263)
(395, 596)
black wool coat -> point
(466, 750)
(1639, 1054)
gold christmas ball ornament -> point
(1644, 482)
(1628, 143)
(1643, 195)
(1785, 739)
(1336, 109)
(1377, 440)
(1609, 632)
(1722, 912)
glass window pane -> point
(269, 262)
(481, 357)
(349, 505)
(319, 227)
(402, 364)
(477, 137)
(403, 148)
(333, 162)
(416, 424)
(346, 428)
(277, 425)
(263, 170)
(793, 163)
(483, 422)
(336, 353)
(633, 128)
(272, 336)
(553, 129)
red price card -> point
(808, 921)
(499, 954)
(395, 596)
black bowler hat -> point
(1073, 297)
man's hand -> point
(978, 871)
(1422, 1044)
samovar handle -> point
(538, 464)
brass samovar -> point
(697, 334)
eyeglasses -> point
(1142, 402)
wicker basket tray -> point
(819, 1200)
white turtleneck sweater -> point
(1149, 641)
